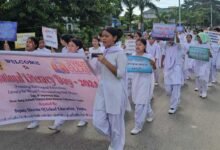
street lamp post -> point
(179, 13)
(211, 14)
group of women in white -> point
(113, 95)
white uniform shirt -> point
(64, 50)
(141, 85)
(173, 65)
(42, 50)
(111, 94)
(202, 68)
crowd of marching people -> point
(117, 88)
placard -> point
(199, 53)
(22, 39)
(163, 31)
(50, 37)
(8, 31)
(139, 64)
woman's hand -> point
(153, 64)
(102, 59)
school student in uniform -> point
(74, 46)
(64, 39)
(202, 68)
(111, 97)
(137, 35)
(96, 49)
(153, 48)
(188, 62)
(213, 73)
(42, 48)
(172, 62)
(142, 88)
(31, 46)
(96, 46)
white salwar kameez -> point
(188, 62)
(141, 91)
(202, 72)
(173, 73)
(213, 73)
(155, 51)
(111, 99)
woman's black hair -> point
(36, 42)
(77, 42)
(115, 32)
(189, 35)
(139, 34)
(144, 42)
(66, 37)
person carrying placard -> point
(141, 89)
(202, 68)
(172, 62)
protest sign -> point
(199, 53)
(214, 37)
(179, 28)
(8, 31)
(50, 37)
(22, 38)
(163, 31)
(44, 87)
(130, 46)
(139, 64)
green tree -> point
(130, 5)
(88, 15)
(142, 4)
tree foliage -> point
(31, 15)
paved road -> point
(196, 126)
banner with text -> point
(163, 31)
(199, 53)
(130, 46)
(214, 37)
(139, 64)
(8, 31)
(22, 39)
(50, 37)
(44, 87)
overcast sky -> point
(162, 4)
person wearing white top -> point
(96, 46)
(96, 49)
(64, 39)
(172, 62)
(31, 46)
(153, 48)
(141, 89)
(42, 48)
(188, 62)
(213, 73)
(111, 96)
(74, 46)
(202, 68)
